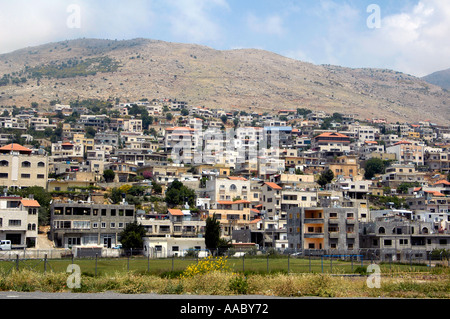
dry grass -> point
(227, 283)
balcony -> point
(351, 234)
(314, 221)
(334, 234)
(313, 235)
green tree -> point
(109, 175)
(212, 233)
(224, 119)
(157, 189)
(90, 132)
(42, 196)
(132, 236)
(178, 194)
(403, 187)
(374, 166)
(325, 178)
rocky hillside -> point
(247, 79)
(440, 78)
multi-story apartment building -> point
(19, 221)
(227, 189)
(407, 152)
(66, 152)
(88, 224)
(394, 237)
(21, 168)
(278, 136)
(132, 125)
(332, 143)
(438, 161)
(13, 123)
(364, 133)
(232, 215)
(108, 138)
(346, 166)
(313, 230)
(277, 200)
(402, 173)
(182, 144)
(176, 223)
(40, 123)
(431, 201)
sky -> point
(410, 36)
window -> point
(4, 164)
(40, 176)
(15, 222)
(388, 242)
(26, 176)
(81, 225)
(4, 175)
(26, 164)
(41, 164)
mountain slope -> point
(247, 79)
(440, 78)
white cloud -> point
(415, 41)
(192, 21)
(26, 23)
(271, 25)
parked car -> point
(5, 245)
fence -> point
(267, 263)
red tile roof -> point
(444, 182)
(332, 134)
(30, 203)
(273, 185)
(15, 147)
(237, 178)
(176, 212)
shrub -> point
(239, 285)
(207, 265)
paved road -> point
(11, 295)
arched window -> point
(41, 164)
(233, 188)
(381, 230)
(425, 230)
(4, 163)
(26, 164)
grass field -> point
(286, 277)
(261, 265)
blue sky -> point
(411, 36)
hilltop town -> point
(295, 180)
